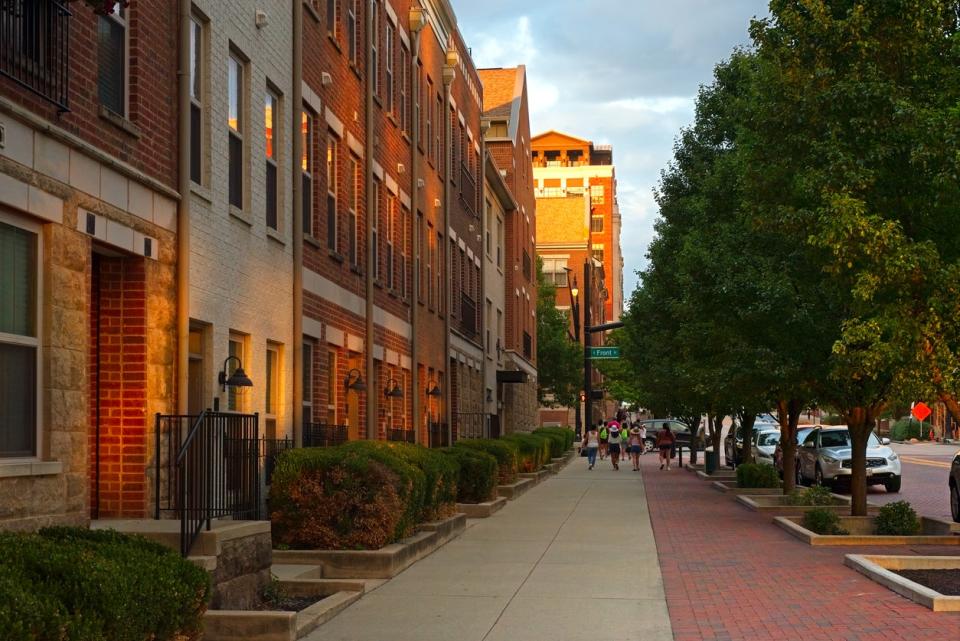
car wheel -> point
(893, 484)
(955, 502)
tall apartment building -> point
(507, 116)
(88, 250)
(564, 164)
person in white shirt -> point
(614, 443)
(591, 441)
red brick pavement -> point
(729, 575)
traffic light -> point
(583, 397)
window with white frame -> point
(428, 114)
(333, 18)
(306, 168)
(197, 80)
(271, 113)
(333, 168)
(404, 87)
(404, 253)
(391, 242)
(19, 338)
(388, 54)
(554, 271)
(353, 215)
(112, 59)
(375, 46)
(271, 408)
(235, 127)
(332, 387)
(375, 229)
(307, 394)
(438, 135)
(597, 194)
(353, 29)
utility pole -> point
(587, 372)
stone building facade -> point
(507, 114)
(87, 258)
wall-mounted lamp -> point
(354, 381)
(393, 389)
(433, 389)
(238, 378)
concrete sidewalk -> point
(573, 559)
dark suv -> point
(680, 429)
(955, 488)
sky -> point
(619, 72)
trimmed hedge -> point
(534, 450)
(816, 495)
(757, 475)
(337, 498)
(441, 475)
(505, 452)
(81, 585)
(566, 432)
(558, 443)
(897, 519)
(823, 521)
(478, 474)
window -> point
(112, 59)
(332, 387)
(391, 241)
(353, 29)
(235, 129)
(597, 252)
(307, 382)
(596, 224)
(499, 242)
(431, 256)
(438, 274)
(270, 113)
(597, 196)
(489, 234)
(498, 129)
(438, 150)
(332, 174)
(375, 46)
(272, 390)
(196, 100)
(554, 271)
(235, 348)
(19, 340)
(388, 53)
(429, 116)
(375, 229)
(404, 89)
(404, 254)
(353, 204)
(420, 256)
(306, 169)
(333, 18)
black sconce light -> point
(393, 389)
(238, 378)
(354, 381)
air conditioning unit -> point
(401, 168)
(420, 183)
(326, 79)
(436, 202)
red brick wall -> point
(118, 337)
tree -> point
(559, 359)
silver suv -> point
(824, 457)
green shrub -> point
(441, 474)
(557, 442)
(565, 432)
(534, 450)
(344, 497)
(906, 429)
(897, 519)
(757, 475)
(832, 419)
(507, 454)
(80, 585)
(816, 495)
(823, 521)
(478, 474)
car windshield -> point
(768, 438)
(841, 438)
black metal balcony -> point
(35, 47)
(323, 435)
(468, 190)
(527, 346)
(468, 316)
(400, 435)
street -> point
(926, 468)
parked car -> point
(824, 457)
(733, 443)
(764, 444)
(955, 488)
(802, 433)
(654, 425)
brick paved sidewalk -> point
(730, 575)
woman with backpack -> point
(615, 442)
(603, 433)
(665, 441)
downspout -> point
(298, 215)
(449, 73)
(484, 321)
(373, 390)
(183, 212)
(417, 23)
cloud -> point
(620, 73)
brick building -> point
(563, 164)
(507, 114)
(88, 222)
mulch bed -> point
(946, 582)
(286, 603)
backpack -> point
(603, 433)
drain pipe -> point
(417, 21)
(373, 391)
(183, 212)
(449, 74)
(298, 215)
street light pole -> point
(574, 293)
(587, 372)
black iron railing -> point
(400, 435)
(527, 346)
(527, 266)
(35, 47)
(437, 435)
(468, 315)
(470, 424)
(270, 451)
(323, 435)
(468, 190)
(209, 469)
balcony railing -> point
(437, 435)
(323, 435)
(400, 435)
(468, 190)
(527, 266)
(468, 315)
(35, 47)
(527, 346)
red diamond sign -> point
(921, 411)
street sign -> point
(921, 411)
(604, 353)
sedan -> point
(802, 433)
(733, 443)
(955, 488)
(764, 445)
(825, 458)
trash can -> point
(711, 461)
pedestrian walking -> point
(643, 438)
(665, 441)
(604, 435)
(614, 443)
(591, 441)
(635, 442)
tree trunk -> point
(788, 413)
(746, 429)
(860, 424)
(716, 432)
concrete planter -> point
(227, 625)
(879, 569)
(537, 477)
(719, 475)
(513, 490)
(481, 510)
(777, 505)
(385, 563)
(730, 487)
(862, 529)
